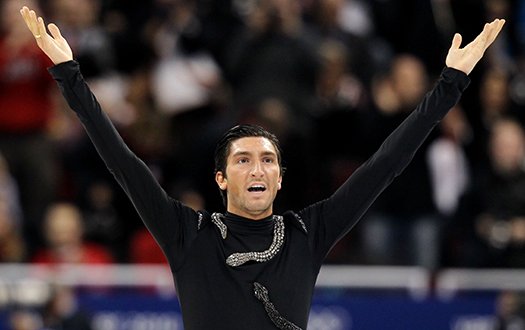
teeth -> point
(257, 188)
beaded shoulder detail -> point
(199, 220)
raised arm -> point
(335, 216)
(171, 223)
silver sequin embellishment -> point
(302, 223)
(199, 220)
(237, 259)
(240, 258)
(280, 322)
(216, 219)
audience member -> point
(410, 26)
(12, 243)
(451, 175)
(509, 311)
(447, 159)
(273, 58)
(80, 24)
(62, 312)
(10, 193)
(492, 212)
(64, 232)
(26, 108)
(21, 318)
(102, 221)
(325, 24)
(342, 109)
(494, 102)
(402, 227)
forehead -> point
(252, 145)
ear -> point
(221, 180)
(279, 182)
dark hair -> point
(222, 150)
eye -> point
(268, 160)
(243, 160)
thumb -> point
(456, 41)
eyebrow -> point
(246, 153)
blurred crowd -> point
(331, 78)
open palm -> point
(466, 58)
(53, 45)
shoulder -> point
(293, 218)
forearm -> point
(130, 172)
(399, 148)
(341, 211)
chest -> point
(222, 277)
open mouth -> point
(257, 188)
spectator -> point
(326, 24)
(12, 244)
(26, 110)
(273, 58)
(494, 102)
(62, 311)
(402, 226)
(451, 175)
(510, 313)
(80, 21)
(342, 106)
(410, 26)
(494, 206)
(21, 318)
(449, 167)
(64, 230)
(102, 221)
(10, 193)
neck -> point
(235, 215)
(251, 215)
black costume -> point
(221, 284)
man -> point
(249, 268)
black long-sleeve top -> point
(215, 295)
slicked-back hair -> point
(223, 148)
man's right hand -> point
(54, 45)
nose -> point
(257, 170)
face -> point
(63, 226)
(507, 147)
(252, 177)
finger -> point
(480, 42)
(498, 26)
(55, 31)
(25, 15)
(456, 41)
(483, 35)
(492, 29)
(27, 18)
(33, 23)
(41, 27)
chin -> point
(258, 210)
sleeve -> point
(329, 220)
(170, 222)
